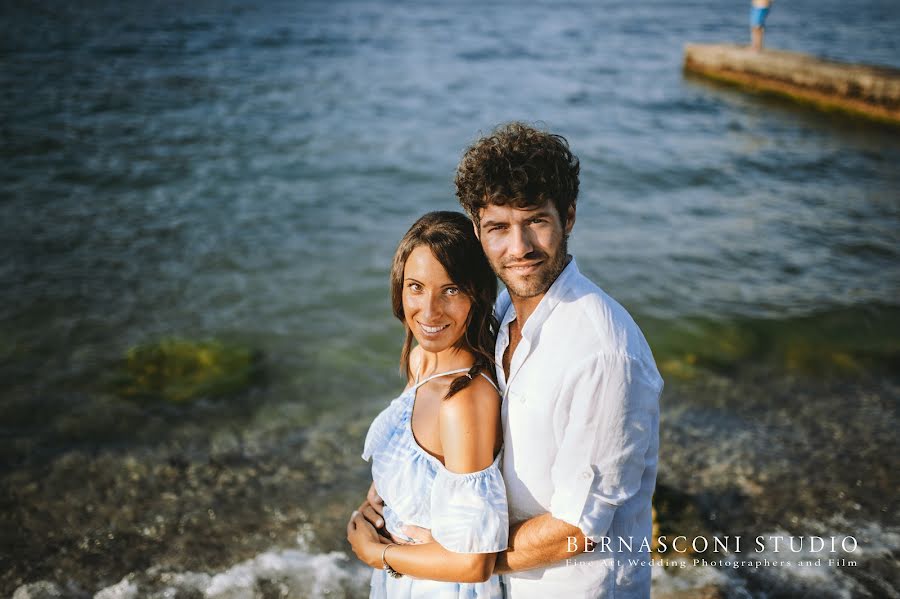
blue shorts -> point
(758, 16)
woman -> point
(435, 449)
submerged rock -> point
(680, 368)
(181, 370)
(848, 342)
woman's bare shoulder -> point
(479, 399)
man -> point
(580, 386)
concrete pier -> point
(861, 89)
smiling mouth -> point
(433, 330)
(524, 268)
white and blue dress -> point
(466, 513)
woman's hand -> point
(418, 535)
(365, 541)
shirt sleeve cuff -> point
(567, 502)
(576, 506)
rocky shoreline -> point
(796, 456)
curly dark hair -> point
(519, 166)
(450, 237)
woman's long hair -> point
(451, 238)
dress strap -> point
(493, 384)
(440, 374)
(457, 371)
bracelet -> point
(385, 566)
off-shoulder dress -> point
(466, 513)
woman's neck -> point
(443, 361)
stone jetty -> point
(872, 91)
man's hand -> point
(372, 508)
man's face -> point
(526, 247)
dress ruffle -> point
(469, 512)
(383, 428)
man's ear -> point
(570, 219)
(476, 228)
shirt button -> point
(586, 474)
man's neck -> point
(525, 307)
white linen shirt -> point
(581, 431)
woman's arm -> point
(468, 428)
(429, 561)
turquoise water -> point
(243, 172)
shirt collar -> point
(550, 300)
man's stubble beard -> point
(544, 279)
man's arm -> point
(612, 410)
(537, 542)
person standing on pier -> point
(759, 10)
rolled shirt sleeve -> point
(609, 407)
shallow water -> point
(243, 172)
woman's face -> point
(436, 309)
